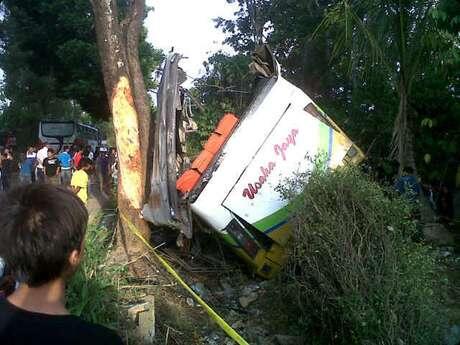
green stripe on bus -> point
(273, 219)
(324, 134)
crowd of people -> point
(71, 167)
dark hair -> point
(50, 150)
(40, 225)
(84, 162)
(408, 170)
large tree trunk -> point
(124, 85)
(402, 145)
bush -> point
(354, 276)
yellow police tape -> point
(221, 322)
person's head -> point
(408, 171)
(50, 152)
(85, 164)
(66, 149)
(42, 232)
(80, 149)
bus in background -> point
(58, 133)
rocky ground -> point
(157, 310)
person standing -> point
(26, 169)
(77, 158)
(42, 154)
(31, 152)
(80, 180)
(89, 153)
(7, 170)
(408, 186)
(52, 168)
(65, 161)
(102, 169)
(32, 155)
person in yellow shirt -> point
(80, 180)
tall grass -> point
(354, 275)
(92, 292)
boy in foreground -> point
(42, 230)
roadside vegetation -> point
(354, 275)
(93, 291)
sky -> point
(187, 25)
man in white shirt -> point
(41, 155)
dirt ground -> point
(243, 300)
(250, 305)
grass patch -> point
(93, 291)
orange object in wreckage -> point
(190, 178)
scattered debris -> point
(238, 324)
(212, 339)
(287, 340)
(250, 288)
(200, 289)
(249, 294)
(190, 301)
(134, 311)
(143, 315)
(437, 233)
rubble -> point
(144, 316)
(438, 234)
(287, 340)
(134, 311)
(245, 300)
(201, 290)
(190, 302)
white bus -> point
(58, 133)
(233, 184)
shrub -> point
(354, 276)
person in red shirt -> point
(77, 158)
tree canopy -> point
(386, 71)
(51, 63)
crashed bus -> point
(233, 184)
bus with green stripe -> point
(238, 194)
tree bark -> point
(141, 98)
(403, 148)
(125, 90)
